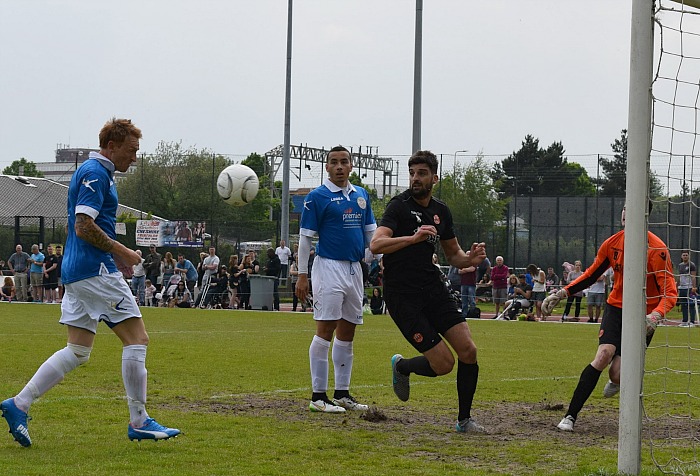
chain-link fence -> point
(543, 230)
(548, 231)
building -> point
(67, 161)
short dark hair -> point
(337, 148)
(424, 157)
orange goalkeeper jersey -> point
(661, 285)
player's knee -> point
(468, 354)
(604, 357)
(444, 365)
(81, 352)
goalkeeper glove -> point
(652, 321)
(552, 300)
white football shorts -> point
(101, 298)
(338, 290)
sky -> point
(211, 74)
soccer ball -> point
(237, 185)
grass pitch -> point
(237, 384)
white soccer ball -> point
(237, 184)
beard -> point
(421, 193)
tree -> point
(29, 168)
(614, 180)
(534, 171)
(176, 183)
(472, 196)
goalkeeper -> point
(661, 297)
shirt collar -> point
(334, 188)
(106, 163)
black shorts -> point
(423, 318)
(611, 328)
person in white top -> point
(284, 254)
(539, 289)
(595, 296)
(138, 280)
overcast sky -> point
(211, 73)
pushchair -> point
(513, 309)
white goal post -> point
(659, 385)
(635, 246)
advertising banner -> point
(179, 233)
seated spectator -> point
(483, 288)
(217, 294)
(512, 283)
(376, 302)
(180, 296)
(149, 292)
(520, 299)
(7, 292)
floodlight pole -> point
(284, 215)
(635, 245)
(417, 77)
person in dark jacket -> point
(273, 268)
(376, 302)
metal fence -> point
(543, 230)
(548, 231)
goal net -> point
(670, 394)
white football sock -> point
(134, 375)
(49, 374)
(342, 363)
(318, 359)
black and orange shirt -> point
(661, 285)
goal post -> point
(659, 412)
(635, 244)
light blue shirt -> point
(37, 268)
(340, 218)
(187, 265)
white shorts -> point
(101, 298)
(338, 290)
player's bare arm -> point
(87, 230)
(456, 256)
(383, 240)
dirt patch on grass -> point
(508, 425)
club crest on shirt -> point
(361, 202)
(87, 183)
(436, 219)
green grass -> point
(237, 384)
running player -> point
(416, 297)
(94, 290)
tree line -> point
(180, 183)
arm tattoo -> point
(87, 230)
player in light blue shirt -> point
(95, 291)
(341, 215)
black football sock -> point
(319, 396)
(418, 365)
(586, 385)
(467, 377)
(338, 394)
